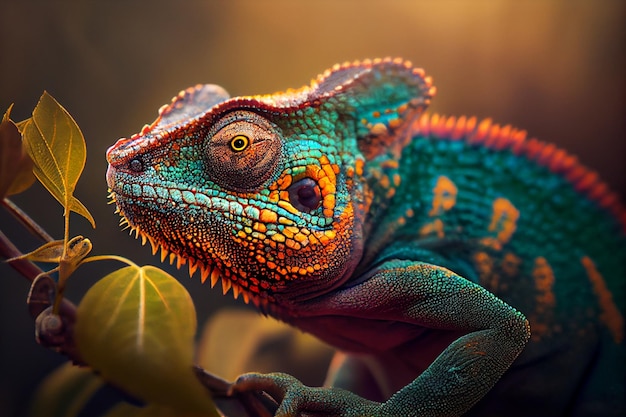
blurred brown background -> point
(555, 68)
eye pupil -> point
(239, 143)
(305, 195)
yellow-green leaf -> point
(50, 252)
(136, 328)
(64, 392)
(260, 343)
(20, 125)
(16, 167)
(57, 147)
(77, 249)
(77, 207)
(62, 137)
(7, 114)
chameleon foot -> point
(298, 400)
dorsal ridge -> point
(494, 136)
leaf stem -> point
(63, 272)
(26, 220)
(111, 258)
(66, 232)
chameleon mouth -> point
(205, 270)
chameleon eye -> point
(242, 151)
(239, 143)
(305, 195)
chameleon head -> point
(266, 192)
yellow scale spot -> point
(504, 219)
(378, 129)
(284, 182)
(395, 123)
(436, 226)
(329, 205)
(544, 281)
(292, 244)
(284, 220)
(268, 216)
(329, 171)
(287, 206)
(390, 164)
(541, 320)
(358, 166)
(484, 265)
(384, 182)
(444, 196)
(511, 264)
(324, 237)
(610, 315)
(278, 238)
(274, 195)
(325, 184)
(290, 231)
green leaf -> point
(57, 147)
(136, 328)
(16, 167)
(64, 392)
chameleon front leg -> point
(428, 296)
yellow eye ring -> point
(239, 143)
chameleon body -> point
(463, 268)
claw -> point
(296, 399)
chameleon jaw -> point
(205, 270)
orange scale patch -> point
(329, 205)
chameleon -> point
(458, 266)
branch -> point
(32, 226)
(56, 332)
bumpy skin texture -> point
(418, 244)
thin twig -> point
(25, 267)
(255, 403)
(26, 220)
(63, 343)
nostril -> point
(136, 165)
